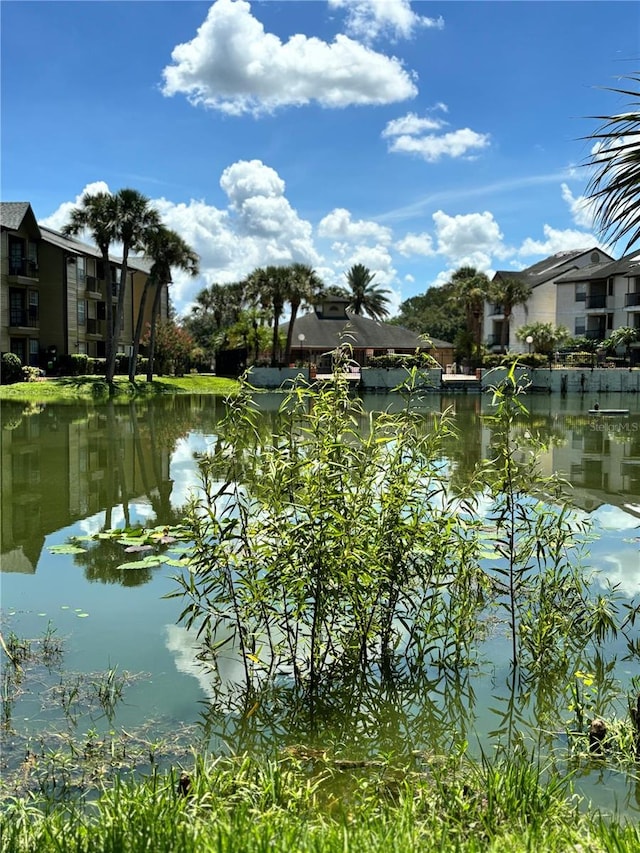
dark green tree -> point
(366, 297)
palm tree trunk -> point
(292, 320)
(117, 323)
(504, 330)
(274, 343)
(138, 331)
(152, 333)
(108, 314)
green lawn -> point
(69, 388)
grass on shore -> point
(68, 388)
(315, 806)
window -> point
(19, 348)
(610, 287)
(82, 347)
(579, 327)
(81, 269)
(16, 256)
(17, 308)
(34, 352)
(581, 292)
(82, 312)
(34, 313)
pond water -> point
(71, 470)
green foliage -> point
(406, 360)
(546, 336)
(11, 368)
(507, 359)
(434, 313)
(173, 346)
(314, 544)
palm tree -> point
(615, 184)
(470, 291)
(508, 293)
(98, 214)
(167, 250)
(304, 285)
(623, 336)
(135, 220)
(366, 298)
(267, 286)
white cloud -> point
(416, 244)
(581, 208)
(61, 215)
(368, 19)
(234, 66)
(469, 239)
(412, 124)
(339, 224)
(455, 143)
(557, 241)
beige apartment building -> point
(53, 293)
(544, 304)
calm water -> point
(73, 470)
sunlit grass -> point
(69, 388)
(243, 804)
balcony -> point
(632, 300)
(92, 287)
(495, 341)
(95, 327)
(22, 319)
(25, 269)
(595, 334)
(597, 301)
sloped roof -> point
(629, 265)
(548, 268)
(76, 247)
(360, 332)
(12, 214)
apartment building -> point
(53, 291)
(596, 299)
(542, 306)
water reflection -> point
(117, 465)
(108, 465)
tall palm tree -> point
(166, 250)
(366, 298)
(98, 214)
(470, 290)
(267, 286)
(304, 285)
(135, 221)
(508, 292)
(615, 184)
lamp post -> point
(529, 340)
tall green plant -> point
(329, 545)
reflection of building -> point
(598, 456)
(52, 292)
(64, 464)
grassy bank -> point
(313, 804)
(68, 388)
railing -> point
(631, 299)
(496, 341)
(595, 334)
(599, 301)
(23, 319)
(26, 268)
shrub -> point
(406, 360)
(11, 368)
(32, 374)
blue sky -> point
(410, 137)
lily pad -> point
(65, 549)
(82, 615)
